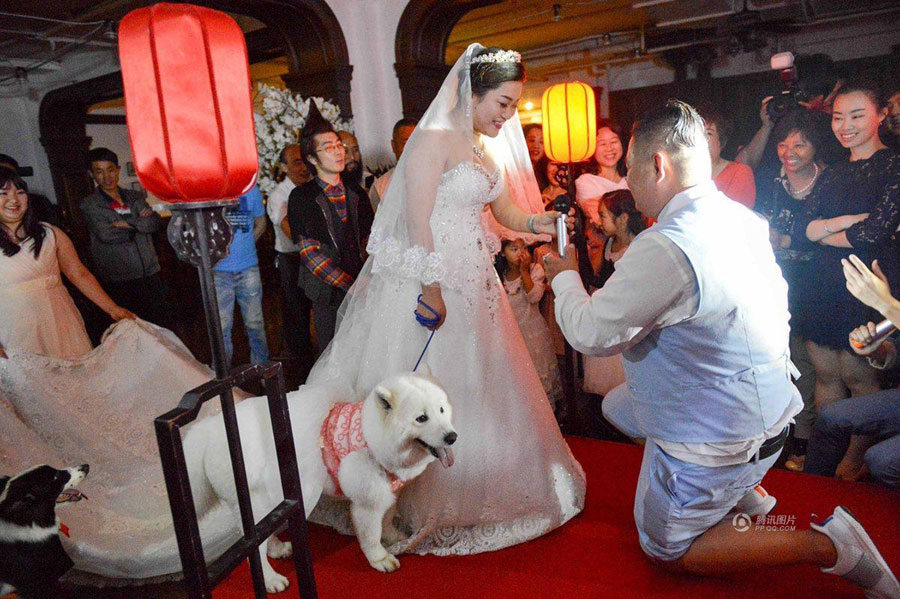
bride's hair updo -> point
(488, 75)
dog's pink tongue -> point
(70, 495)
(445, 455)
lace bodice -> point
(460, 237)
(462, 259)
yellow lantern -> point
(569, 122)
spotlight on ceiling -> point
(557, 13)
(529, 105)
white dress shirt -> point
(276, 208)
(652, 287)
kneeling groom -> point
(698, 308)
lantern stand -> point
(186, 79)
(563, 204)
(201, 236)
(569, 122)
(569, 353)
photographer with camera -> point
(810, 83)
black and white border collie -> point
(32, 557)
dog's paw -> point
(275, 582)
(388, 563)
(278, 549)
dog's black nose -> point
(450, 438)
(84, 468)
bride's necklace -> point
(478, 152)
(797, 192)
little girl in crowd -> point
(524, 282)
(620, 222)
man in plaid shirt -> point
(329, 219)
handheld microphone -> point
(882, 330)
(562, 204)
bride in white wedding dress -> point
(514, 477)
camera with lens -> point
(792, 95)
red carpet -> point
(597, 553)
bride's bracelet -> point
(531, 224)
(827, 230)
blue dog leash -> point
(427, 322)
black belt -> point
(771, 446)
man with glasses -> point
(329, 218)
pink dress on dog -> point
(342, 435)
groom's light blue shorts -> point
(677, 501)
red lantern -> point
(187, 102)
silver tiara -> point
(498, 56)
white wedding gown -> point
(514, 477)
(99, 409)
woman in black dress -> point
(799, 137)
(857, 211)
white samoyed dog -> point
(361, 451)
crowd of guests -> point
(825, 175)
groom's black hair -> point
(486, 76)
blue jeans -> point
(876, 415)
(245, 287)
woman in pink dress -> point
(39, 316)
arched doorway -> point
(306, 32)
(420, 46)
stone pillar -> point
(370, 31)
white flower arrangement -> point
(279, 115)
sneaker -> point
(857, 558)
(756, 502)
